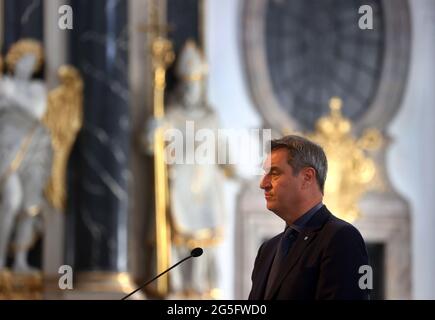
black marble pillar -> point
(184, 20)
(22, 19)
(99, 166)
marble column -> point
(2, 19)
(96, 227)
(22, 19)
(55, 47)
(186, 21)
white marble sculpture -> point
(25, 153)
(196, 190)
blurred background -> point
(89, 208)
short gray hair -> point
(304, 153)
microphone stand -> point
(195, 253)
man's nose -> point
(265, 182)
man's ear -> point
(308, 176)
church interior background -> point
(86, 88)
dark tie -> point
(287, 239)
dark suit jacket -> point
(322, 264)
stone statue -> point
(25, 152)
(195, 190)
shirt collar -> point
(302, 221)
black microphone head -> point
(196, 252)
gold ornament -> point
(21, 48)
(63, 119)
(20, 286)
(1, 66)
(350, 171)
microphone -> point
(194, 253)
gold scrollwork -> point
(20, 286)
(100, 281)
(63, 119)
(350, 171)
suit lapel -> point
(263, 274)
(304, 239)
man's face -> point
(282, 189)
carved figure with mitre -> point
(196, 189)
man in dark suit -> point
(318, 256)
